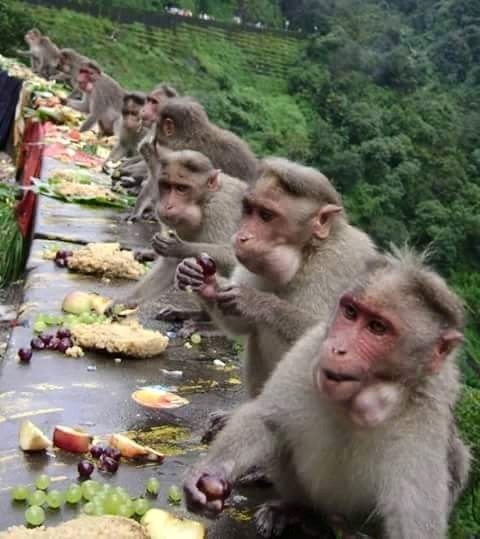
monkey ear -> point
(213, 183)
(323, 220)
(447, 342)
(168, 127)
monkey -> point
(44, 54)
(200, 204)
(356, 419)
(68, 67)
(128, 127)
(135, 170)
(105, 98)
(295, 252)
(184, 124)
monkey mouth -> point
(339, 377)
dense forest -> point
(383, 96)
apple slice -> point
(68, 439)
(163, 525)
(130, 449)
(31, 438)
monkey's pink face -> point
(150, 111)
(32, 39)
(267, 243)
(352, 356)
(85, 82)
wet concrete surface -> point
(54, 389)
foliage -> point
(14, 24)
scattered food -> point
(161, 524)
(31, 438)
(157, 397)
(73, 440)
(130, 449)
(174, 495)
(106, 259)
(128, 338)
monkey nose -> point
(338, 350)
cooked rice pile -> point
(73, 189)
(128, 338)
(106, 259)
(105, 527)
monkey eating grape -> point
(67, 70)
(200, 204)
(296, 251)
(357, 419)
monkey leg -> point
(256, 476)
(274, 517)
(216, 423)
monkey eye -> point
(182, 188)
(377, 327)
(265, 215)
(246, 207)
(349, 311)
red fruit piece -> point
(208, 264)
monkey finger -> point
(188, 272)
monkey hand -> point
(206, 491)
(144, 255)
(170, 246)
(189, 276)
(236, 300)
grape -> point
(61, 262)
(63, 253)
(73, 494)
(19, 493)
(174, 495)
(98, 510)
(127, 509)
(141, 506)
(113, 453)
(153, 486)
(208, 264)
(37, 343)
(89, 508)
(25, 354)
(85, 469)
(53, 344)
(89, 489)
(39, 326)
(97, 451)
(42, 482)
(37, 497)
(106, 488)
(107, 464)
(55, 499)
(46, 337)
(35, 516)
(122, 492)
(64, 345)
(112, 502)
(64, 333)
(196, 338)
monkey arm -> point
(245, 441)
(88, 123)
(157, 280)
(118, 151)
(25, 54)
(144, 200)
(264, 308)
(81, 105)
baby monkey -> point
(356, 421)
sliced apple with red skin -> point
(31, 438)
(68, 439)
(130, 449)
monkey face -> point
(180, 199)
(84, 81)
(150, 111)
(269, 241)
(32, 38)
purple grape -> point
(61, 262)
(54, 343)
(85, 469)
(107, 464)
(37, 343)
(63, 253)
(64, 345)
(97, 451)
(113, 453)
(207, 264)
(46, 338)
(64, 333)
(25, 354)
